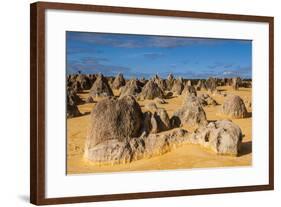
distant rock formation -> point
(155, 120)
(151, 90)
(234, 107)
(248, 102)
(90, 99)
(75, 85)
(170, 82)
(118, 82)
(160, 101)
(236, 82)
(72, 111)
(101, 87)
(72, 99)
(206, 100)
(132, 88)
(177, 86)
(79, 82)
(211, 84)
(160, 82)
(200, 86)
(189, 91)
(151, 106)
(84, 81)
(191, 112)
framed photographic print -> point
(130, 103)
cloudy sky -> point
(142, 55)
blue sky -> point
(144, 55)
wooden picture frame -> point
(37, 102)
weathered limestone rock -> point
(234, 107)
(191, 112)
(223, 137)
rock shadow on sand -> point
(246, 148)
(80, 115)
(249, 115)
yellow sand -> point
(186, 156)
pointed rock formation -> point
(118, 82)
(101, 87)
(151, 90)
(191, 112)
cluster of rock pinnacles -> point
(120, 132)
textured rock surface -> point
(177, 86)
(85, 81)
(118, 82)
(113, 151)
(234, 107)
(160, 101)
(189, 91)
(151, 106)
(206, 100)
(191, 112)
(211, 84)
(79, 82)
(170, 82)
(223, 137)
(160, 82)
(72, 111)
(76, 86)
(145, 146)
(198, 85)
(90, 99)
(113, 118)
(151, 90)
(101, 88)
(72, 99)
(146, 122)
(157, 120)
(160, 121)
(132, 88)
(246, 83)
(236, 82)
(169, 94)
(248, 102)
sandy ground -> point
(184, 157)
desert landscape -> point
(117, 124)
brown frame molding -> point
(37, 101)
